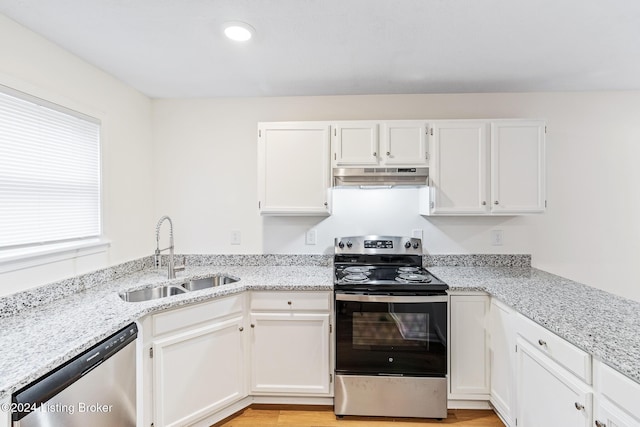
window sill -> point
(18, 259)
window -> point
(49, 173)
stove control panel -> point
(378, 245)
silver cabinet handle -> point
(600, 424)
(579, 406)
(542, 342)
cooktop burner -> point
(413, 278)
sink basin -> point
(207, 282)
(151, 293)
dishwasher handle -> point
(34, 394)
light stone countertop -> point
(602, 324)
(38, 339)
(35, 340)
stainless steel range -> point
(391, 330)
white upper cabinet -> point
(458, 178)
(369, 143)
(355, 143)
(517, 166)
(293, 168)
(486, 167)
(404, 143)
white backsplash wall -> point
(392, 212)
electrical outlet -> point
(236, 237)
(310, 237)
(417, 233)
(496, 238)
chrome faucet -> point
(172, 268)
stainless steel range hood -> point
(380, 177)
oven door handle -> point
(391, 298)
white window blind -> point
(49, 173)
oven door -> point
(391, 335)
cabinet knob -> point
(600, 424)
(496, 202)
(388, 153)
(579, 406)
(241, 328)
(375, 154)
(253, 326)
(326, 203)
(289, 302)
(484, 203)
(542, 342)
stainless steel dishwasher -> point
(96, 388)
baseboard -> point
(293, 400)
(224, 414)
(468, 404)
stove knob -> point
(341, 245)
(415, 245)
(349, 244)
(407, 245)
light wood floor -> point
(323, 416)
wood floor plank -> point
(323, 416)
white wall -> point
(205, 157)
(35, 65)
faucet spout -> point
(171, 267)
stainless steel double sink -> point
(147, 294)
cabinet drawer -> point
(188, 316)
(561, 351)
(617, 388)
(277, 300)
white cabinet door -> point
(197, 372)
(608, 414)
(404, 143)
(517, 166)
(458, 178)
(469, 353)
(617, 402)
(502, 360)
(293, 168)
(290, 353)
(355, 143)
(368, 143)
(547, 394)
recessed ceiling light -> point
(238, 31)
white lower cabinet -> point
(502, 360)
(197, 361)
(290, 343)
(553, 379)
(469, 351)
(548, 395)
(617, 399)
(197, 372)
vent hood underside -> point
(382, 177)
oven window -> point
(392, 329)
(391, 338)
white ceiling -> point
(175, 48)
